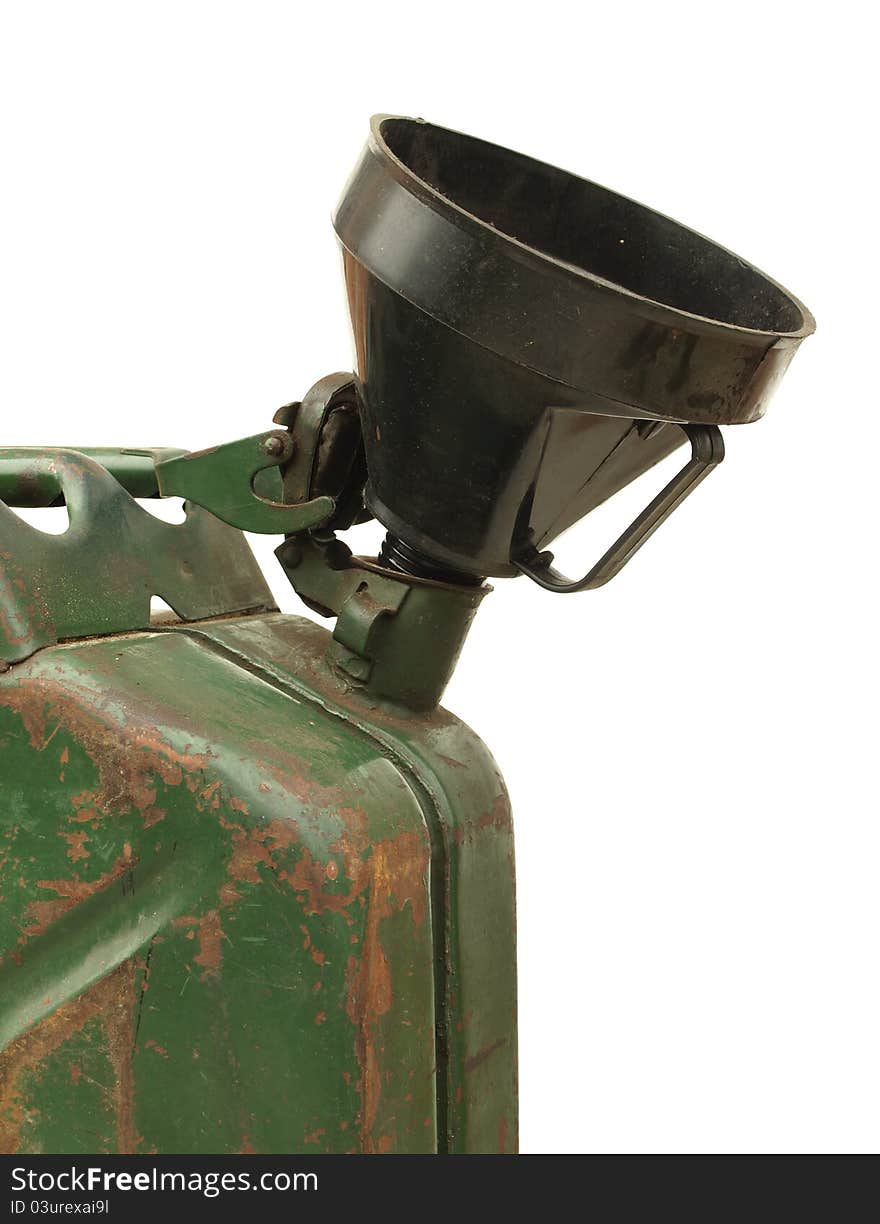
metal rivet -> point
(274, 446)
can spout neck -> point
(398, 634)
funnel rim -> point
(535, 256)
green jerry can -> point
(257, 885)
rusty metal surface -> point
(467, 812)
(216, 932)
(100, 575)
(242, 911)
(26, 483)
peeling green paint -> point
(246, 906)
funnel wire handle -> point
(707, 451)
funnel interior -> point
(599, 234)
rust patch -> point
(126, 767)
(110, 1000)
(397, 871)
(256, 846)
(68, 894)
(76, 845)
(310, 876)
(497, 817)
(209, 931)
(210, 942)
(252, 848)
(130, 761)
(451, 761)
(477, 1060)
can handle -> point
(707, 451)
(29, 481)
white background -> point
(691, 750)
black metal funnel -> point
(529, 342)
